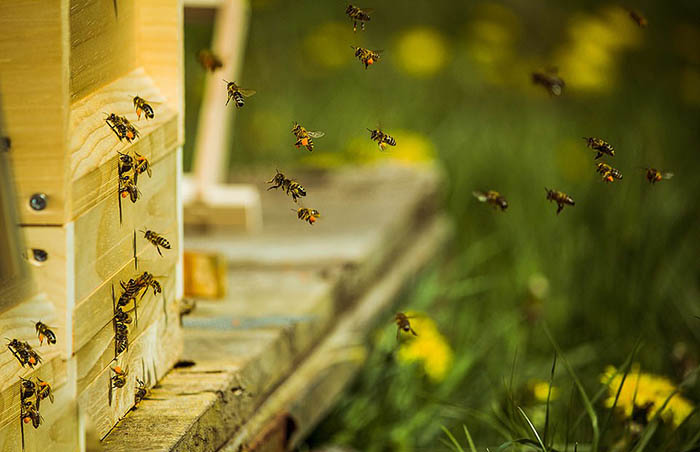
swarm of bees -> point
(366, 56)
(291, 187)
(29, 409)
(156, 240)
(122, 128)
(360, 15)
(208, 60)
(237, 93)
(304, 137)
(492, 197)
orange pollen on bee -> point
(27, 419)
(312, 220)
(32, 360)
(304, 141)
(124, 194)
(609, 178)
(118, 369)
(370, 61)
(130, 134)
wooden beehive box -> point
(64, 65)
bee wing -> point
(480, 195)
(316, 134)
(247, 92)
(667, 175)
(367, 10)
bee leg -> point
(158, 248)
(413, 332)
(398, 331)
(560, 207)
(600, 154)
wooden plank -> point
(232, 207)
(34, 98)
(102, 43)
(161, 50)
(149, 357)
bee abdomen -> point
(162, 241)
(238, 98)
(389, 140)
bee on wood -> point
(141, 391)
(147, 280)
(383, 140)
(122, 127)
(609, 173)
(27, 388)
(141, 165)
(289, 186)
(306, 214)
(403, 324)
(360, 15)
(654, 175)
(24, 353)
(122, 316)
(130, 291)
(560, 198)
(236, 93)
(208, 60)
(637, 17)
(30, 413)
(157, 240)
(600, 146)
(121, 338)
(127, 187)
(44, 332)
(43, 391)
(492, 197)
(550, 81)
(119, 377)
(304, 137)
(142, 106)
(367, 56)
(125, 163)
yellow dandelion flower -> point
(412, 148)
(641, 389)
(430, 348)
(540, 390)
(421, 51)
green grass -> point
(618, 268)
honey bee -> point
(44, 332)
(236, 93)
(654, 175)
(142, 106)
(43, 391)
(492, 197)
(600, 146)
(119, 377)
(306, 214)
(381, 138)
(360, 15)
(560, 198)
(550, 81)
(304, 137)
(208, 60)
(30, 413)
(127, 187)
(289, 186)
(121, 337)
(609, 173)
(27, 388)
(157, 240)
(122, 316)
(130, 289)
(141, 391)
(122, 127)
(367, 56)
(147, 280)
(638, 18)
(24, 353)
(125, 163)
(403, 324)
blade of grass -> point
(469, 438)
(549, 395)
(449, 434)
(626, 366)
(584, 397)
(534, 430)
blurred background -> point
(615, 279)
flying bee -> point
(492, 197)
(367, 56)
(44, 332)
(360, 15)
(43, 391)
(30, 413)
(383, 140)
(600, 146)
(290, 186)
(208, 60)
(306, 214)
(403, 324)
(560, 198)
(27, 388)
(157, 240)
(24, 353)
(637, 17)
(550, 81)
(127, 187)
(141, 391)
(304, 137)
(119, 377)
(609, 173)
(236, 93)
(654, 175)
(142, 106)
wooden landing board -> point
(238, 350)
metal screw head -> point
(40, 255)
(38, 201)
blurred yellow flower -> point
(329, 45)
(421, 51)
(411, 148)
(430, 348)
(640, 389)
(540, 389)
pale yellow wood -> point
(229, 206)
(149, 357)
(103, 43)
(34, 84)
(203, 3)
(161, 48)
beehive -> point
(64, 64)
